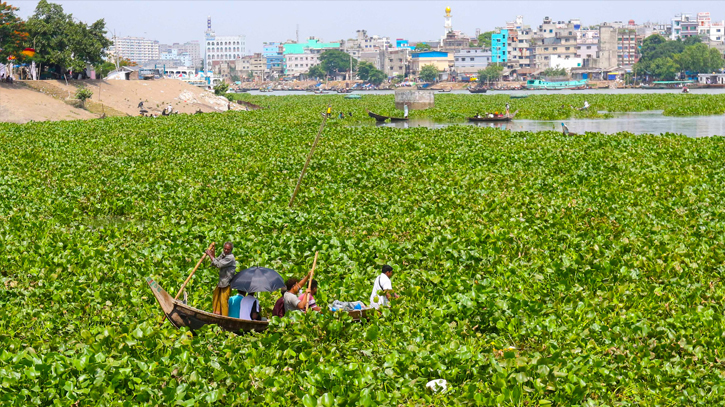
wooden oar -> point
(309, 157)
(211, 246)
(309, 285)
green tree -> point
(699, 58)
(335, 62)
(221, 88)
(316, 72)
(484, 40)
(428, 73)
(376, 77)
(83, 94)
(664, 68)
(61, 42)
(552, 72)
(13, 34)
(491, 73)
(103, 69)
(421, 46)
(364, 69)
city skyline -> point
(259, 24)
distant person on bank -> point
(291, 301)
(227, 265)
(311, 297)
(383, 289)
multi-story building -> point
(607, 53)
(587, 44)
(136, 49)
(628, 43)
(273, 52)
(499, 46)
(299, 63)
(471, 60)
(220, 49)
(708, 29)
(442, 61)
(395, 61)
(193, 48)
(683, 26)
(173, 54)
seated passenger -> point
(235, 304)
(291, 302)
(250, 308)
(313, 291)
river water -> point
(650, 122)
(508, 92)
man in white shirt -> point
(382, 288)
(249, 308)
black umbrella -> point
(256, 280)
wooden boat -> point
(344, 91)
(182, 315)
(353, 97)
(518, 96)
(477, 90)
(380, 118)
(444, 90)
(501, 118)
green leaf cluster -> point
(533, 268)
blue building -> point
(499, 46)
(273, 54)
(401, 43)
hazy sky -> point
(181, 21)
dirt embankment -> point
(19, 104)
(55, 100)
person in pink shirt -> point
(313, 292)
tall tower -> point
(448, 25)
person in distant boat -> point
(227, 265)
(311, 299)
(291, 301)
(405, 111)
(235, 303)
(349, 114)
(341, 115)
(507, 109)
(382, 288)
(250, 308)
(329, 111)
(278, 310)
(564, 129)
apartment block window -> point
(567, 48)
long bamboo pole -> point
(309, 285)
(309, 157)
(211, 246)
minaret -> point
(448, 25)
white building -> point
(708, 29)
(184, 58)
(136, 49)
(222, 48)
(471, 60)
(567, 62)
(300, 63)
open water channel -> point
(650, 122)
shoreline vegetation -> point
(532, 268)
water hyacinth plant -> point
(533, 268)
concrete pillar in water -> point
(414, 98)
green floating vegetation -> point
(533, 268)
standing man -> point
(227, 266)
(329, 111)
(382, 288)
(405, 108)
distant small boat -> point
(519, 96)
(381, 118)
(538, 84)
(477, 90)
(444, 90)
(487, 118)
(353, 97)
